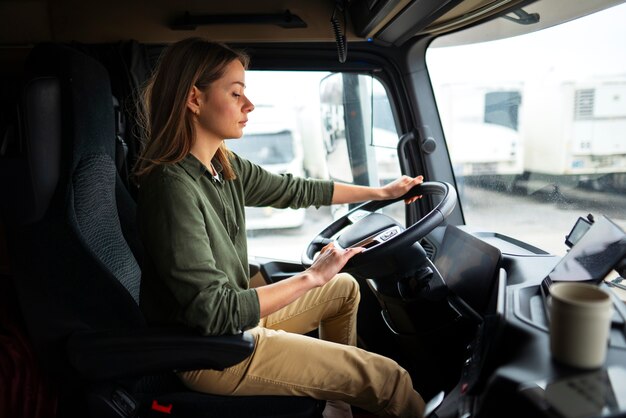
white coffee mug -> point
(580, 321)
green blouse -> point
(193, 229)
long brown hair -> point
(167, 126)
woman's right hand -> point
(330, 262)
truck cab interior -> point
(514, 111)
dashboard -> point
(494, 287)
(508, 369)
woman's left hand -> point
(400, 186)
(351, 193)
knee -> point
(349, 287)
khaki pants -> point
(330, 368)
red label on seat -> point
(161, 408)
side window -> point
(335, 126)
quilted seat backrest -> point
(74, 267)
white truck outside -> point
(482, 127)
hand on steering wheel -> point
(330, 261)
(401, 186)
(379, 234)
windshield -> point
(536, 126)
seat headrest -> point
(64, 112)
(31, 150)
(88, 117)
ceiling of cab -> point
(152, 21)
(523, 18)
(404, 19)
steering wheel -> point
(380, 234)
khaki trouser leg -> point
(286, 363)
(331, 308)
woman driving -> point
(192, 195)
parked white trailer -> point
(581, 129)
